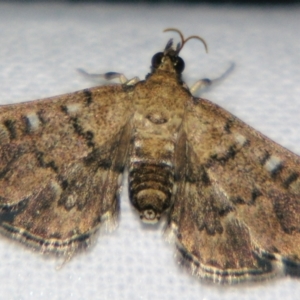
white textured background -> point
(40, 48)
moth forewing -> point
(229, 194)
(60, 163)
(242, 191)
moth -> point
(230, 197)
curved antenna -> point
(183, 41)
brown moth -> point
(230, 196)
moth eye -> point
(179, 65)
(156, 59)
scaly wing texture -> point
(237, 207)
(60, 163)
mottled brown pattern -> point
(262, 204)
(230, 195)
(66, 169)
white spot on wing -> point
(56, 188)
(73, 108)
(240, 139)
(33, 121)
(272, 163)
(71, 201)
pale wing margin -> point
(236, 215)
(61, 162)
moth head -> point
(169, 60)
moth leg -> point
(111, 75)
(200, 85)
(206, 82)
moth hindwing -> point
(230, 196)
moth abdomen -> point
(150, 187)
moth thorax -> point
(150, 190)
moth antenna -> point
(179, 32)
(183, 41)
